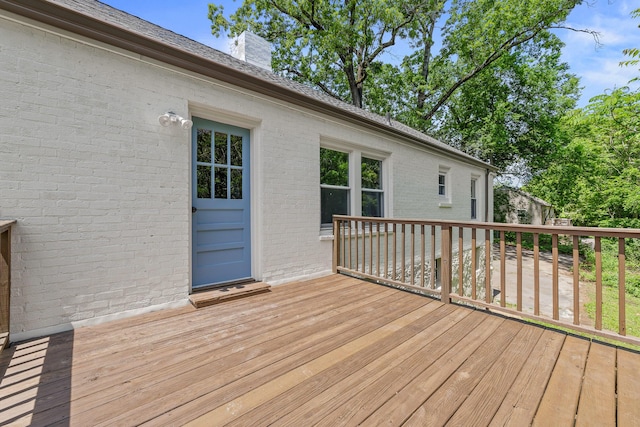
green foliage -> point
(610, 265)
(595, 177)
(545, 244)
(495, 89)
(633, 52)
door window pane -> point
(236, 150)
(221, 148)
(236, 183)
(221, 183)
(204, 145)
(204, 182)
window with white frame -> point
(350, 182)
(372, 193)
(444, 186)
(335, 191)
(474, 199)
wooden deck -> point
(333, 351)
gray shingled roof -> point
(133, 24)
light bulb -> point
(186, 124)
(165, 120)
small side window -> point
(474, 200)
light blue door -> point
(221, 203)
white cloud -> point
(598, 66)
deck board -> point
(330, 351)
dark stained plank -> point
(597, 404)
(523, 397)
(628, 388)
(560, 401)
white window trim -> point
(474, 196)
(444, 199)
(355, 180)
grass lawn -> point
(610, 311)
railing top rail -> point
(499, 226)
(6, 224)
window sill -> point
(445, 204)
(324, 237)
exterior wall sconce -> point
(170, 118)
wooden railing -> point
(468, 262)
(5, 280)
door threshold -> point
(205, 288)
(227, 293)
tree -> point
(328, 44)
(634, 52)
(346, 49)
(595, 178)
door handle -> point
(194, 209)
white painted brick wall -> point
(101, 191)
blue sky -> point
(597, 67)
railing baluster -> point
(404, 246)
(413, 253)
(622, 317)
(349, 244)
(386, 250)
(336, 245)
(445, 247)
(536, 274)
(364, 247)
(371, 248)
(576, 281)
(433, 257)
(597, 247)
(422, 248)
(473, 264)
(378, 249)
(503, 272)
(356, 246)
(460, 261)
(488, 293)
(554, 290)
(519, 271)
(394, 250)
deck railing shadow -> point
(36, 381)
(466, 262)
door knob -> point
(194, 209)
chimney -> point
(252, 49)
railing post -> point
(445, 248)
(336, 245)
(5, 282)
